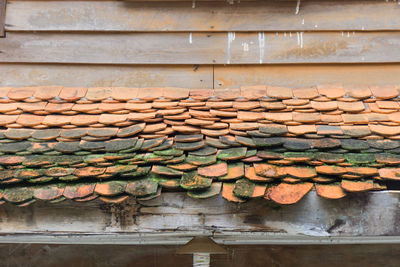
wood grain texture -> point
(99, 75)
(298, 75)
(200, 48)
(206, 16)
(175, 217)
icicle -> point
(298, 38)
(348, 34)
(362, 28)
(284, 34)
(342, 34)
(298, 7)
(302, 22)
(261, 45)
(193, 3)
(290, 34)
(190, 38)
(231, 37)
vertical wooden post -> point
(2, 17)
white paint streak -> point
(301, 40)
(261, 45)
(245, 47)
(298, 7)
(231, 38)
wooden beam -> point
(105, 75)
(298, 75)
(174, 218)
(200, 48)
(206, 16)
(2, 17)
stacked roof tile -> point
(277, 143)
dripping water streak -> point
(301, 40)
(231, 37)
(261, 45)
(298, 7)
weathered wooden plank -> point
(174, 217)
(48, 255)
(206, 16)
(306, 75)
(200, 48)
(2, 16)
(105, 75)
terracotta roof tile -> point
(279, 92)
(332, 91)
(61, 136)
(351, 106)
(72, 94)
(47, 92)
(150, 93)
(253, 92)
(385, 92)
(227, 94)
(360, 92)
(21, 93)
(305, 93)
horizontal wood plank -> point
(306, 75)
(205, 16)
(176, 217)
(99, 75)
(200, 48)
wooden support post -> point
(2, 17)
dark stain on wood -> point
(2, 17)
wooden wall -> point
(200, 44)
